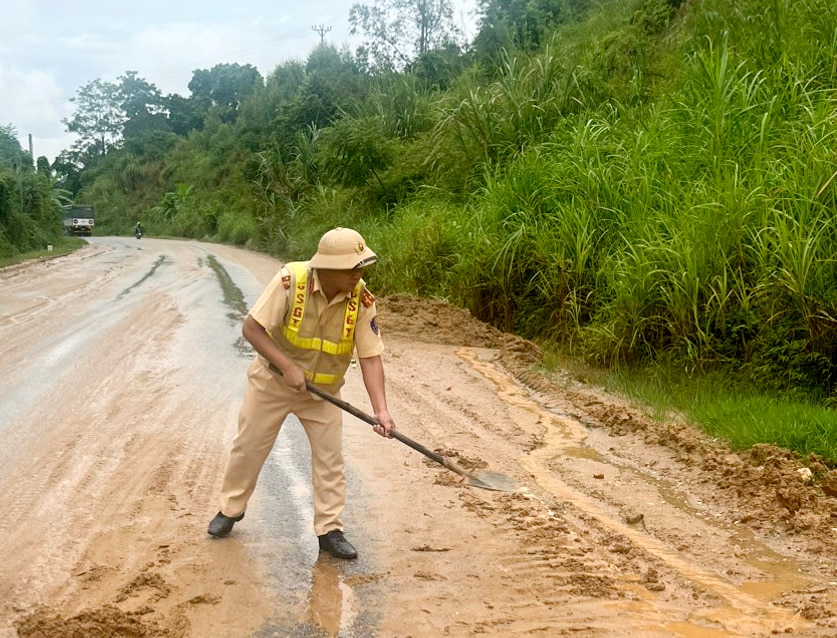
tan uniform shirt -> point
(271, 310)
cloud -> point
(34, 103)
(169, 54)
(49, 49)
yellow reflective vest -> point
(323, 351)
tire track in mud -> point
(741, 613)
(140, 557)
(579, 545)
(552, 571)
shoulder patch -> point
(286, 281)
(367, 298)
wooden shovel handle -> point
(371, 420)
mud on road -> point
(622, 525)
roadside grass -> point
(61, 246)
(719, 404)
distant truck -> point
(78, 220)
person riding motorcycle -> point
(138, 230)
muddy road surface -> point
(122, 371)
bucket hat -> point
(343, 249)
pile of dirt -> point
(105, 622)
(434, 321)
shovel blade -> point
(493, 481)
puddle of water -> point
(685, 630)
(784, 573)
(331, 608)
(581, 452)
(725, 622)
(332, 602)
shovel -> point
(484, 480)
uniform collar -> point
(316, 287)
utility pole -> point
(20, 176)
(322, 31)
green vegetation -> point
(735, 412)
(62, 246)
(30, 200)
(629, 181)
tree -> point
(256, 122)
(329, 83)
(221, 90)
(183, 113)
(286, 79)
(440, 67)
(42, 165)
(143, 106)
(98, 118)
(520, 24)
(399, 31)
(9, 146)
(28, 207)
(69, 167)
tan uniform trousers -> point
(267, 401)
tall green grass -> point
(698, 226)
(733, 411)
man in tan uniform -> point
(305, 327)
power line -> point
(322, 31)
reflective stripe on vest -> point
(320, 378)
(290, 331)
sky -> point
(49, 49)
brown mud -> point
(623, 525)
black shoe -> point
(336, 544)
(221, 525)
